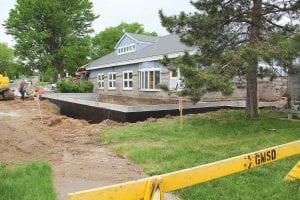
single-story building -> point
(133, 69)
(133, 73)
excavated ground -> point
(69, 145)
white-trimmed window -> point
(149, 79)
(112, 81)
(175, 80)
(174, 73)
(127, 80)
(100, 81)
(126, 49)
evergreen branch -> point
(276, 9)
(231, 40)
(224, 66)
(277, 25)
(241, 42)
(273, 23)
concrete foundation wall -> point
(96, 115)
(267, 91)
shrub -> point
(67, 86)
(86, 86)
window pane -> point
(102, 77)
(143, 80)
(157, 79)
(125, 75)
(146, 80)
(114, 84)
(110, 84)
(140, 80)
(114, 76)
(151, 80)
(130, 75)
(130, 84)
(125, 84)
(174, 73)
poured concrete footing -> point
(94, 112)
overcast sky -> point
(113, 12)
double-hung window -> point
(100, 81)
(112, 81)
(127, 80)
(149, 79)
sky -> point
(113, 12)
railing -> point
(153, 188)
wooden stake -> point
(181, 109)
(37, 99)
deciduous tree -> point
(51, 33)
(6, 56)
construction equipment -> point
(5, 93)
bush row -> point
(67, 86)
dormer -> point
(131, 42)
(126, 49)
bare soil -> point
(70, 145)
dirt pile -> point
(109, 123)
(70, 145)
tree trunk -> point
(289, 86)
(60, 68)
(251, 98)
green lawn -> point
(160, 147)
(27, 182)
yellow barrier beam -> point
(294, 174)
(138, 190)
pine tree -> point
(234, 34)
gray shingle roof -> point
(164, 45)
(143, 38)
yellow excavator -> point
(5, 93)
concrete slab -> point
(90, 100)
(84, 106)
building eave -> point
(141, 60)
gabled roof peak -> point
(139, 38)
